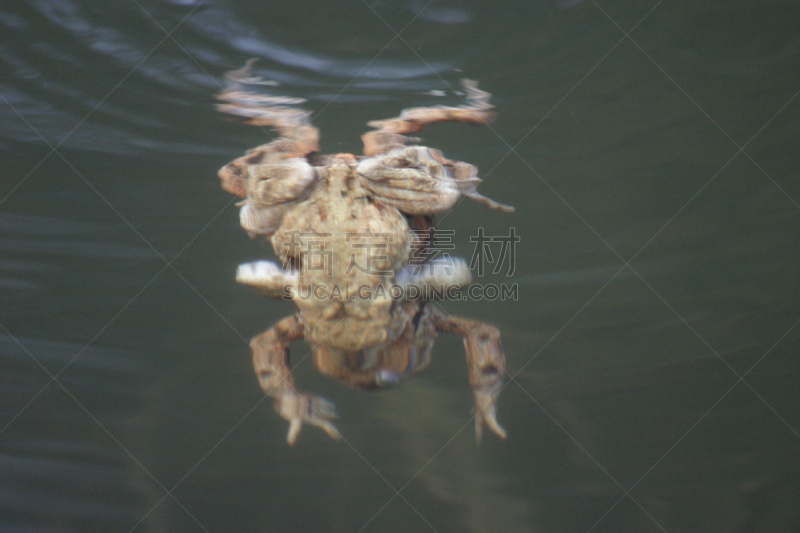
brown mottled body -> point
(341, 227)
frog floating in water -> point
(325, 215)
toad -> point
(346, 230)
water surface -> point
(651, 149)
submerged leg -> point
(271, 363)
(486, 363)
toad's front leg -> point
(271, 362)
(486, 363)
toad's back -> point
(346, 248)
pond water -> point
(651, 149)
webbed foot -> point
(271, 363)
(315, 410)
(486, 363)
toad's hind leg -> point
(486, 363)
(271, 363)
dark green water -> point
(653, 346)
